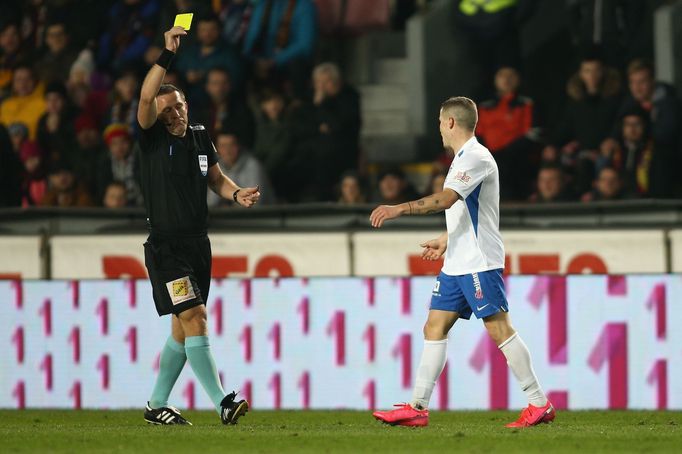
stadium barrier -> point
(603, 342)
(344, 254)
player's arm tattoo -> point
(433, 203)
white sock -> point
(518, 359)
(430, 366)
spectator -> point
(129, 33)
(351, 189)
(64, 190)
(87, 98)
(280, 43)
(209, 52)
(645, 171)
(273, 139)
(115, 195)
(437, 182)
(619, 27)
(124, 100)
(34, 183)
(491, 32)
(18, 135)
(659, 100)
(507, 125)
(607, 186)
(593, 97)
(55, 127)
(169, 9)
(242, 167)
(326, 133)
(26, 105)
(224, 110)
(10, 172)
(551, 185)
(11, 55)
(84, 158)
(119, 164)
(235, 15)
(394, 187)
(55, 64)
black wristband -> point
(165, 58)
(234, 196)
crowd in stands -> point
(70, 75)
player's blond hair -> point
(463, 110)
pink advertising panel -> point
(597, 342)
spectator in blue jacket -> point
(210, 51)
(131, 27)
(280, 43)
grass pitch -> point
(336, 431)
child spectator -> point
(607, 186)
(34, 183)
(115, 195)
(119, 164)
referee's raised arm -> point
(146, 109)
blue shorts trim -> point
(479, 293)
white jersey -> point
(473, 222)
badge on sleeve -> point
(203, 164)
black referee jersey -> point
(174, 179)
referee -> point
(178, 162)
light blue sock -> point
(170, 365)
(199, 356)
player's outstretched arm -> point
(223, 185)
(432, 204)
(146, 109)
(434, 249)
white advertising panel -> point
(254, 255)
(597, 342)
(537, 252)
(675, 237)
(20, 257)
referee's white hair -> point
(463, 110)
(332, 69)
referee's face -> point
(172, 109)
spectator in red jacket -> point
(507, 126)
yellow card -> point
(183, 20)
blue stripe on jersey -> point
(472, 205)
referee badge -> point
(203, 164)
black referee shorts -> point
(179, 270)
